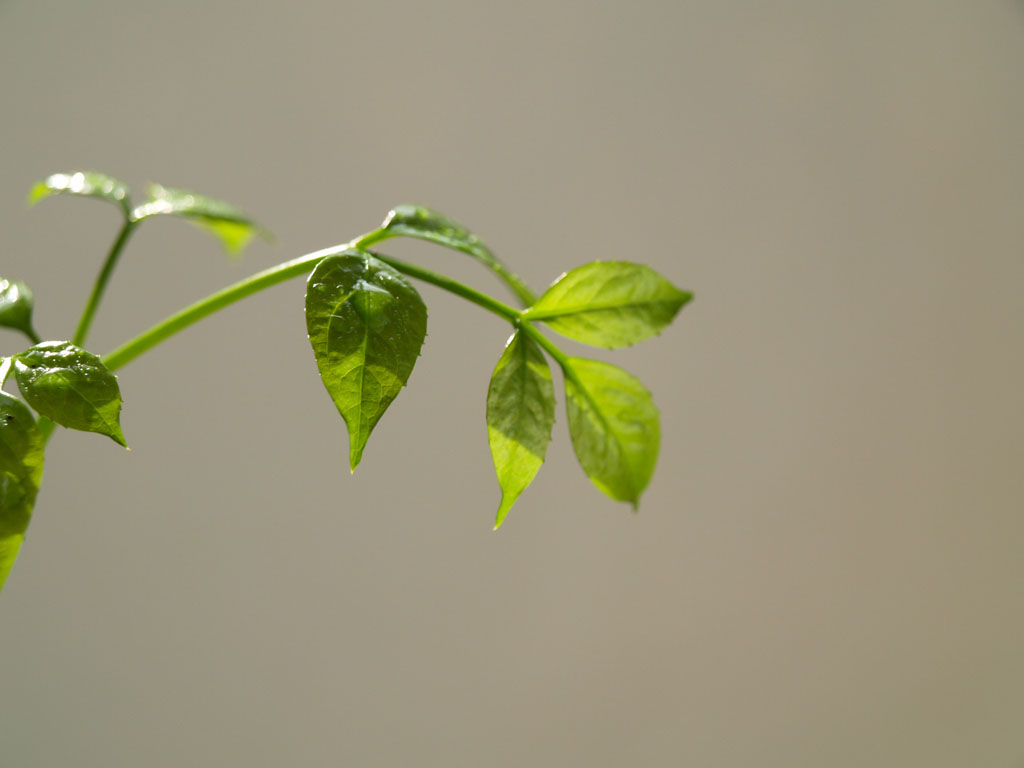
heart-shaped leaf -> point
(72, 387)
(230, 225)
(417, 221)
(16, 305)
(85, 183)
(614, 427)
(366, 324)
(520, 415)
(21, 470)
(609, 304)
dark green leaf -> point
(366, 324)
(16, 304)
(21, 470)
(423, 223)
(609, 303)
(614, 427)
(520, 414)
(72, 387)
(87, 183)
(230, 225)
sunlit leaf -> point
(21, 470)
(85, 183)
(16, 303)
(231, 226)
(609, 303)
(520, 414)
(423, 223)
(366, 324)
(72, 387)
(614, 427)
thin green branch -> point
(223, 298)
(82, 332)
(454, 286)
(278, 274)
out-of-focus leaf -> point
(16, 303)
(85, 183)
(231, 226)
(21, 470)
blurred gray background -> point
(828, 567)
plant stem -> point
(225, 297)
(101, 282)
(557, 355)
(289, 269)
(454, 286)
(549, 346)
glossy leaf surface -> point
(230, 225)
(16, 303)
(85, 183)
(614, 427)
(609, 304)
(426, 224)
(520, 415)
(21, 470)
(72, 387)
(366, 324)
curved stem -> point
(205, 307)
(278, 274)
(100, 285)
(481, 253)
(453, 286)
(225, 297)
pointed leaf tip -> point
(72, 387)
(366, 324)
(614, 426)
(520, 417)
(609, 304)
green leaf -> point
(609, 304)
(520, 415)
(366, 324)
(230, 225)
(21, 470)
(417, 221)
(614, 427)
(72, 387)
(16, 303)
(86, 183)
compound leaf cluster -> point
(366, 324)
(613, 421)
